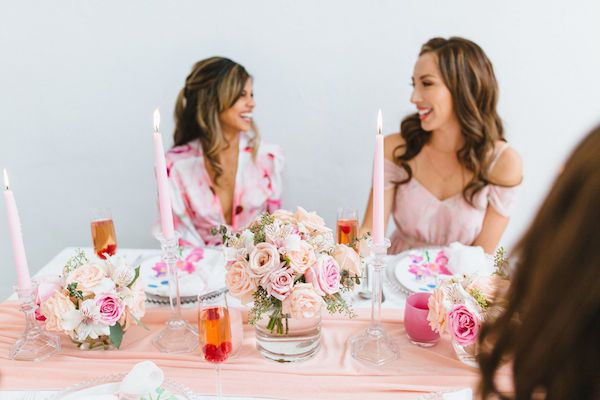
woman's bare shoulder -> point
(508, 168)
(391, 143)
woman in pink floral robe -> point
(218, 172)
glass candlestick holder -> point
(35, 344)
(373, 346)
(177, 336)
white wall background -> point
(79, 81)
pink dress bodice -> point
(423, 220)
(197, 208)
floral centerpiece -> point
(288, 265)
(93, 302)
(462, 303)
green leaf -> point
(137, 275)
(116, 335)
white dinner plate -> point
(200, 271)
(418, 270)
(107, 385)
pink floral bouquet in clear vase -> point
(93, 302)
(289, 267)
(462, 303)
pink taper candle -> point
(162, 181)
(378, 223)
(16, 237)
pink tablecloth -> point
(332, 374)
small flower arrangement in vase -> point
(462, 303)
(288, 265)
(93, 302)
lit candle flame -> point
(6, 183)
(156, 120)
(379, 122)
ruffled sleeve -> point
(392, 174)
(276, 163)
(503, 198)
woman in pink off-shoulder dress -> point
(450, 175)
(219, 172)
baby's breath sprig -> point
(258, 228)
(337, 305)
(501, 262)
(262, 305)
(75, 262)
(479, 298)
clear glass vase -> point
(298, 340)
(101, 343)
(467, 354)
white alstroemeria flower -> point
(322, 243)
(247, 238)
(85, 322)
(119, 271)
(292, 243)
(106, 285)
(231, 254)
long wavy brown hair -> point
(213, 86)
(469, 75)
(550, 330)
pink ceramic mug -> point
(415, 321)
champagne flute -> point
(347, 226)
(214, 330)
(104, 237)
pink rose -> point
(46, 289)
(347, 259)
(87, 277)
(111, 308)
(311, 221)
(239, 280)
(285, 216)
(303, 302)
(464, 325)
(302, 258)
(324, 276)
(53, 308)
(280, 283)
(263, 259)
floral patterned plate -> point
(200, 270)
(418, 270)
(109, 384)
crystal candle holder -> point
(177, 336)
(373, 346)
(35, 344)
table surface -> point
(393, 299)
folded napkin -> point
(468, 260)
(144, 378)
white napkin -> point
(144, 378)
(469, 260)
(464, 394)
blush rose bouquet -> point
(93, 302)
(288, 266)
(463, 302)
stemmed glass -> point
(104, 237)
(214, 330)
(347, 226)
